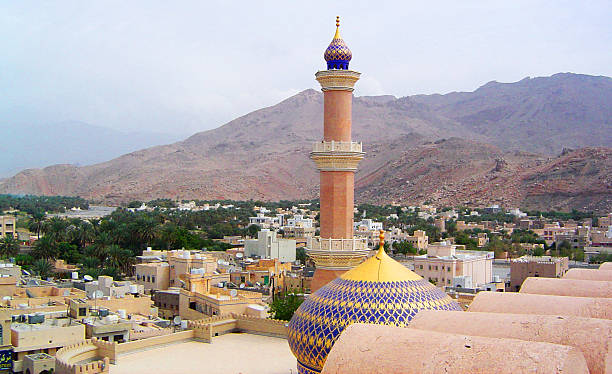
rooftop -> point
(257, 355)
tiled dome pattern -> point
(318, 322)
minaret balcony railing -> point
(337, 146)
(329, 244)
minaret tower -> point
(336, 250)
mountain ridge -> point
(263, 154)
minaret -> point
(336, 250)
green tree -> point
(45, 248)
(9, 246)
(300, 255)
(284, 305)
(43, 268)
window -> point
(153, 278)
(448, 269)
(82, 312)
(436, 267)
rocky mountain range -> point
(538, 143)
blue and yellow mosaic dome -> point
(379, 291)
(338, 55)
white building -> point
(298, 220)
(266, 222)
(367, 224)
(446, 266)
(268, 245)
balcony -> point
(328, 244)
(335, 146)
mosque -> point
(376, 316)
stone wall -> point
(67, 358)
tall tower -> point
(336, 250)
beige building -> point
(536, 266)
(8, 225)
(444, 265)
(418, 239)
(46, 337)
(153, 275)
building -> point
(418, 239)
(446, 266)
(8, 226)
(367, 224)
(299, 220)
(153, 275)
(265, 222)
(42, 335)
(167, 302)
(106, 286)
(536, 266)
(269, 245)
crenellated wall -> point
(67, 358)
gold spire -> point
(380, 268)
(381, 246)
(337, 36)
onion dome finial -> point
(338, 55)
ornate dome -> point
(379, 291)
(338, 55)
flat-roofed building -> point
(153, 275)
(445, 265)
(8, 225)
(536, 266)
(46, 337)
(269, 245)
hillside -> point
(264, 154)
(36, 145)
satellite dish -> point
(241, 285)
(239, 255)
(88, 278)
(26, 272)
(177, 320)
(97, 294)
(6, 298)
(220, 262)
(233, 293)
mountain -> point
(500, 143)
(36, 145)
(542, 115)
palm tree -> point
(45, 248)
(37, 222)
(9, 246)
(43, 268)
(55, 229)
(119, 258)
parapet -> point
(606, 266)
(567, 287)
(522, 303)
(589, 274)
(592, 336)
(369, 349)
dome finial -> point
(337, 54)
(381, 246)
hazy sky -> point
(186, 66)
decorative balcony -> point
(337, 156)
(335, 146)
(329, 244)
(337, 254)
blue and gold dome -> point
(378, 291)
(338, 55)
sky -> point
(187, 66)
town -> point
(142, 273)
